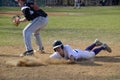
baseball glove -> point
(15, 20)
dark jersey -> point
(30, 13)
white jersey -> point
(76, 53)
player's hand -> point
(71, 60)
(16, 20)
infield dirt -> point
(105, 67)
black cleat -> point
(27, 53)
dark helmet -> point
(57, 43)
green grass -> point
(6, 9)
(91, 23)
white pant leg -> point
(75, 4)
(38, 40)
(78, 4)
(85, 55)
(38, 37)
(33, 27)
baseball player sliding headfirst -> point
(38, 20)
(74, 55)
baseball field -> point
(76, 27)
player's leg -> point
(89, 48)
(91, 54)
(42, 23)
(103, 47)
(95, 43)
(39, 41)
(27, 40)
(27, 32)
(78, 4)
(75, 5)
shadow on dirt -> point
(8, 55)
(89, 64)
(115, 59)
(109, 59)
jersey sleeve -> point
(69, 51)
(55, 55)
(26, 12)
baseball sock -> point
(89, 48)
(97, 50)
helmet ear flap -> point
(62, 47)
(54, 49)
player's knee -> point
(37, 33)
(25, 32)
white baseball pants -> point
(34, 27)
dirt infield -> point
(49, 13)
(105, 67)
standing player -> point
(38, 20)
(77, 3)
(66, 52)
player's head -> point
(57, 44)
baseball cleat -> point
(107, 48)
(40, 50)
(27, 53)
(97, 42)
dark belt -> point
(76, 51)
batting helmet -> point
(57, 43)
